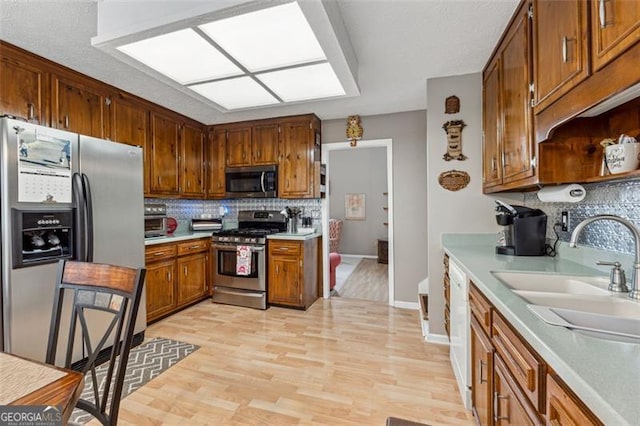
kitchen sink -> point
(606, 305)
(580, 303)
(597, 325)
(554, 283)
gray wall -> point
(408, 132)
(359, 171)
(466, 210)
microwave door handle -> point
(262, 181)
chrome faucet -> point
(635, 290)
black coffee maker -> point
(524, 232)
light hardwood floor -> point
(342, 362)
(369, 281)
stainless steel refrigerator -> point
(63, 196)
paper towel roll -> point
(562, 193)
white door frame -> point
(362, 144)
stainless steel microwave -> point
(251, 182)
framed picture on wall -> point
(354, 207)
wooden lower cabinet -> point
(177, 276)
(161, 295)
(481, 375)
(564, 408)
(510, 383)
(447, 291)
(511, 406)
(293, 271)
(192, 278)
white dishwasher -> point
(460, 348)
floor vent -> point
(424, 306)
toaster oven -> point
(155, 220)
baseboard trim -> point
(406, 305)
(439, 339)
(364, 256)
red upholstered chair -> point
(334, 261)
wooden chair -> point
(115, 291)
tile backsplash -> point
(185, 210)
(619, 198)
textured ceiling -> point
(399, 44)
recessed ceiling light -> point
(268, 38)
(183, 56)
(235, 93)
(303, 83)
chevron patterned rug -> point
(146, 361)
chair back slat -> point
(115, 291)
(100, 275)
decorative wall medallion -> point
(454, 140)
(452, 105)
(454, 180)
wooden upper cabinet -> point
(508, 156)
(560, 48)
(80, 108)
(238, 149)
(192, 169)
(22, 87)
(492, 124)
(165, 154)
(296, 163)
(615, 26)
(515, 76)
(130, 125)
(264, 144)
(216, 161)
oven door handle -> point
(234, 247)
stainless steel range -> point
(240, 258)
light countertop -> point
(176, 237)
(604, 374)
(297, 237)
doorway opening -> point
(377, 204)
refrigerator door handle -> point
(79, 219)
(89, 218)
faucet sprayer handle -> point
(617, 279)
(614, 264)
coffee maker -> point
(524, 230)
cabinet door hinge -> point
(532, 87)
(530, 11)
(532, 102)
(107, 101)
(534, 162)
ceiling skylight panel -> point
(268, 38)
(303, 83)
(183, 56)
(235, 93)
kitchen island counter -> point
(604, 374)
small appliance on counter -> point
(524, 230)
(155, 220)
(199, 224)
